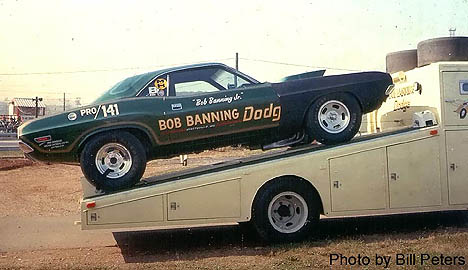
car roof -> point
(171, 69)
(209, 64)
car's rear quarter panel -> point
(297, 96)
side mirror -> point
(231, 86)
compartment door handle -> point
(453, 166)
(394, 176)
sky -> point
(84, 47)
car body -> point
(197, 107)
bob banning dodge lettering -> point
(250, 113)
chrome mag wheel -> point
(333, 116)
(113, 160)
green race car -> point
(193, 108)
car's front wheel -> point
(333, 118)
(113, 161)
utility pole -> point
(37, 99)
(237, 68)
(63, 101)
(452, 31)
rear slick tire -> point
(333, 118)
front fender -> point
(152, 138)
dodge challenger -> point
(193, 108)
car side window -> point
(193, 88)
(228, 80)
(158, 87)
(193, 82)
(203, 80)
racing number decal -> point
(161, 83)
(112, 109)
(107, 110)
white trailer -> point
(415, 162)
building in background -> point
(25, 108)
(4, 107)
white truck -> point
(414, 160)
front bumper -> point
(25, 147)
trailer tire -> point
(113, 160)
(285, 211)
(401, 61)
(333, 118)
(442, 49)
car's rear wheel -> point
(113, 161)
(333, 118)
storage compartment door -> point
(135, 211)
(457, 165)
(218, 200)
(414, 174)
(456, 98)
(357, 181)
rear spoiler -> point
(306, 75)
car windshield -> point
(126, 88)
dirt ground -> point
(9, 164)
(43, 191)
(35, 187)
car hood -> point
(44, 123)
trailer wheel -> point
(333, 118)
(462, 113)
(113, 161)
(284, 211)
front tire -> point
(113, 161)
(334, 118)
(284, 211)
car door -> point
(212, 101)
(153, 101)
